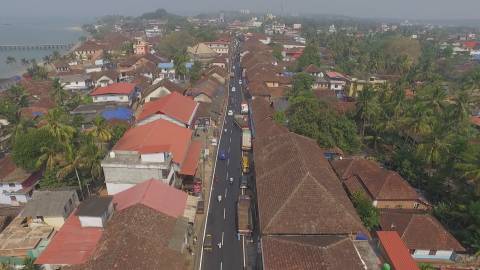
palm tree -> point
(101, 130)
(58, 93)
(10, 60)
(25, 61)
(56, 124)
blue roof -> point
(120, 113)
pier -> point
(23, 47)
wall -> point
(440, 255)
(56, 222)
(157, 93)
(113, 98)
(91, 221)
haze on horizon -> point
(399, 9)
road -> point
(227, 250)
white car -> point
(230, 113)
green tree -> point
(369, 215)
(27, 147)
(195, 72)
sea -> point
(35, 31)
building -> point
(395, 251)
(16, 185)
(174, 108)
(160, 150)
(75, 81)
(161, 89)
(296, 191)
(51, 207)
(385, 188)
(423, 235)
(76, 241)
(117, 92)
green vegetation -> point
(369, 215)
(309, 117)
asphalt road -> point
(227, 250)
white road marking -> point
(224, 211)
(222, 237)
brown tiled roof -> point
(419, 230)
(309, 253)
(381, 184)
(137, 238)
(296, 187)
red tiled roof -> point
(418, 230)
(154, 194)
(396, 251)
(179, 107)
(190, 164)
(157, 133)
(73, 244)
(122, 88)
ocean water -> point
(34, 31)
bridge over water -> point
(25, 47)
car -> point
(230, 113)
(244, 181)
(207, 244)
(222, 155)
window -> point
(432, 252)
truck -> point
(246, 139)
(244, 108)
(244, 215)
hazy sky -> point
(414, 9)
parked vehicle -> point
(207, 244)
(246, 139)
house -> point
(159, 149)
(75, 81)
(220, 47)
(202, 53)
(16, 185)
(205, 90)
(109, 111)
(104, 78)
(174, 108)
(296, 190)
(140, 237)
(313, 70)
(338, 82)
(51, 207)
(395, 251)
(88, 50)
(24, 237)
(121, 92)
(161, 89)
(385, 188)
(77, 239)
(423, 235)
(141, 47)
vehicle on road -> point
(246, 139)
(244, 215)
(230, 113)
(244, 182)
(207, 244)
(245, 164)
(222, 155)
